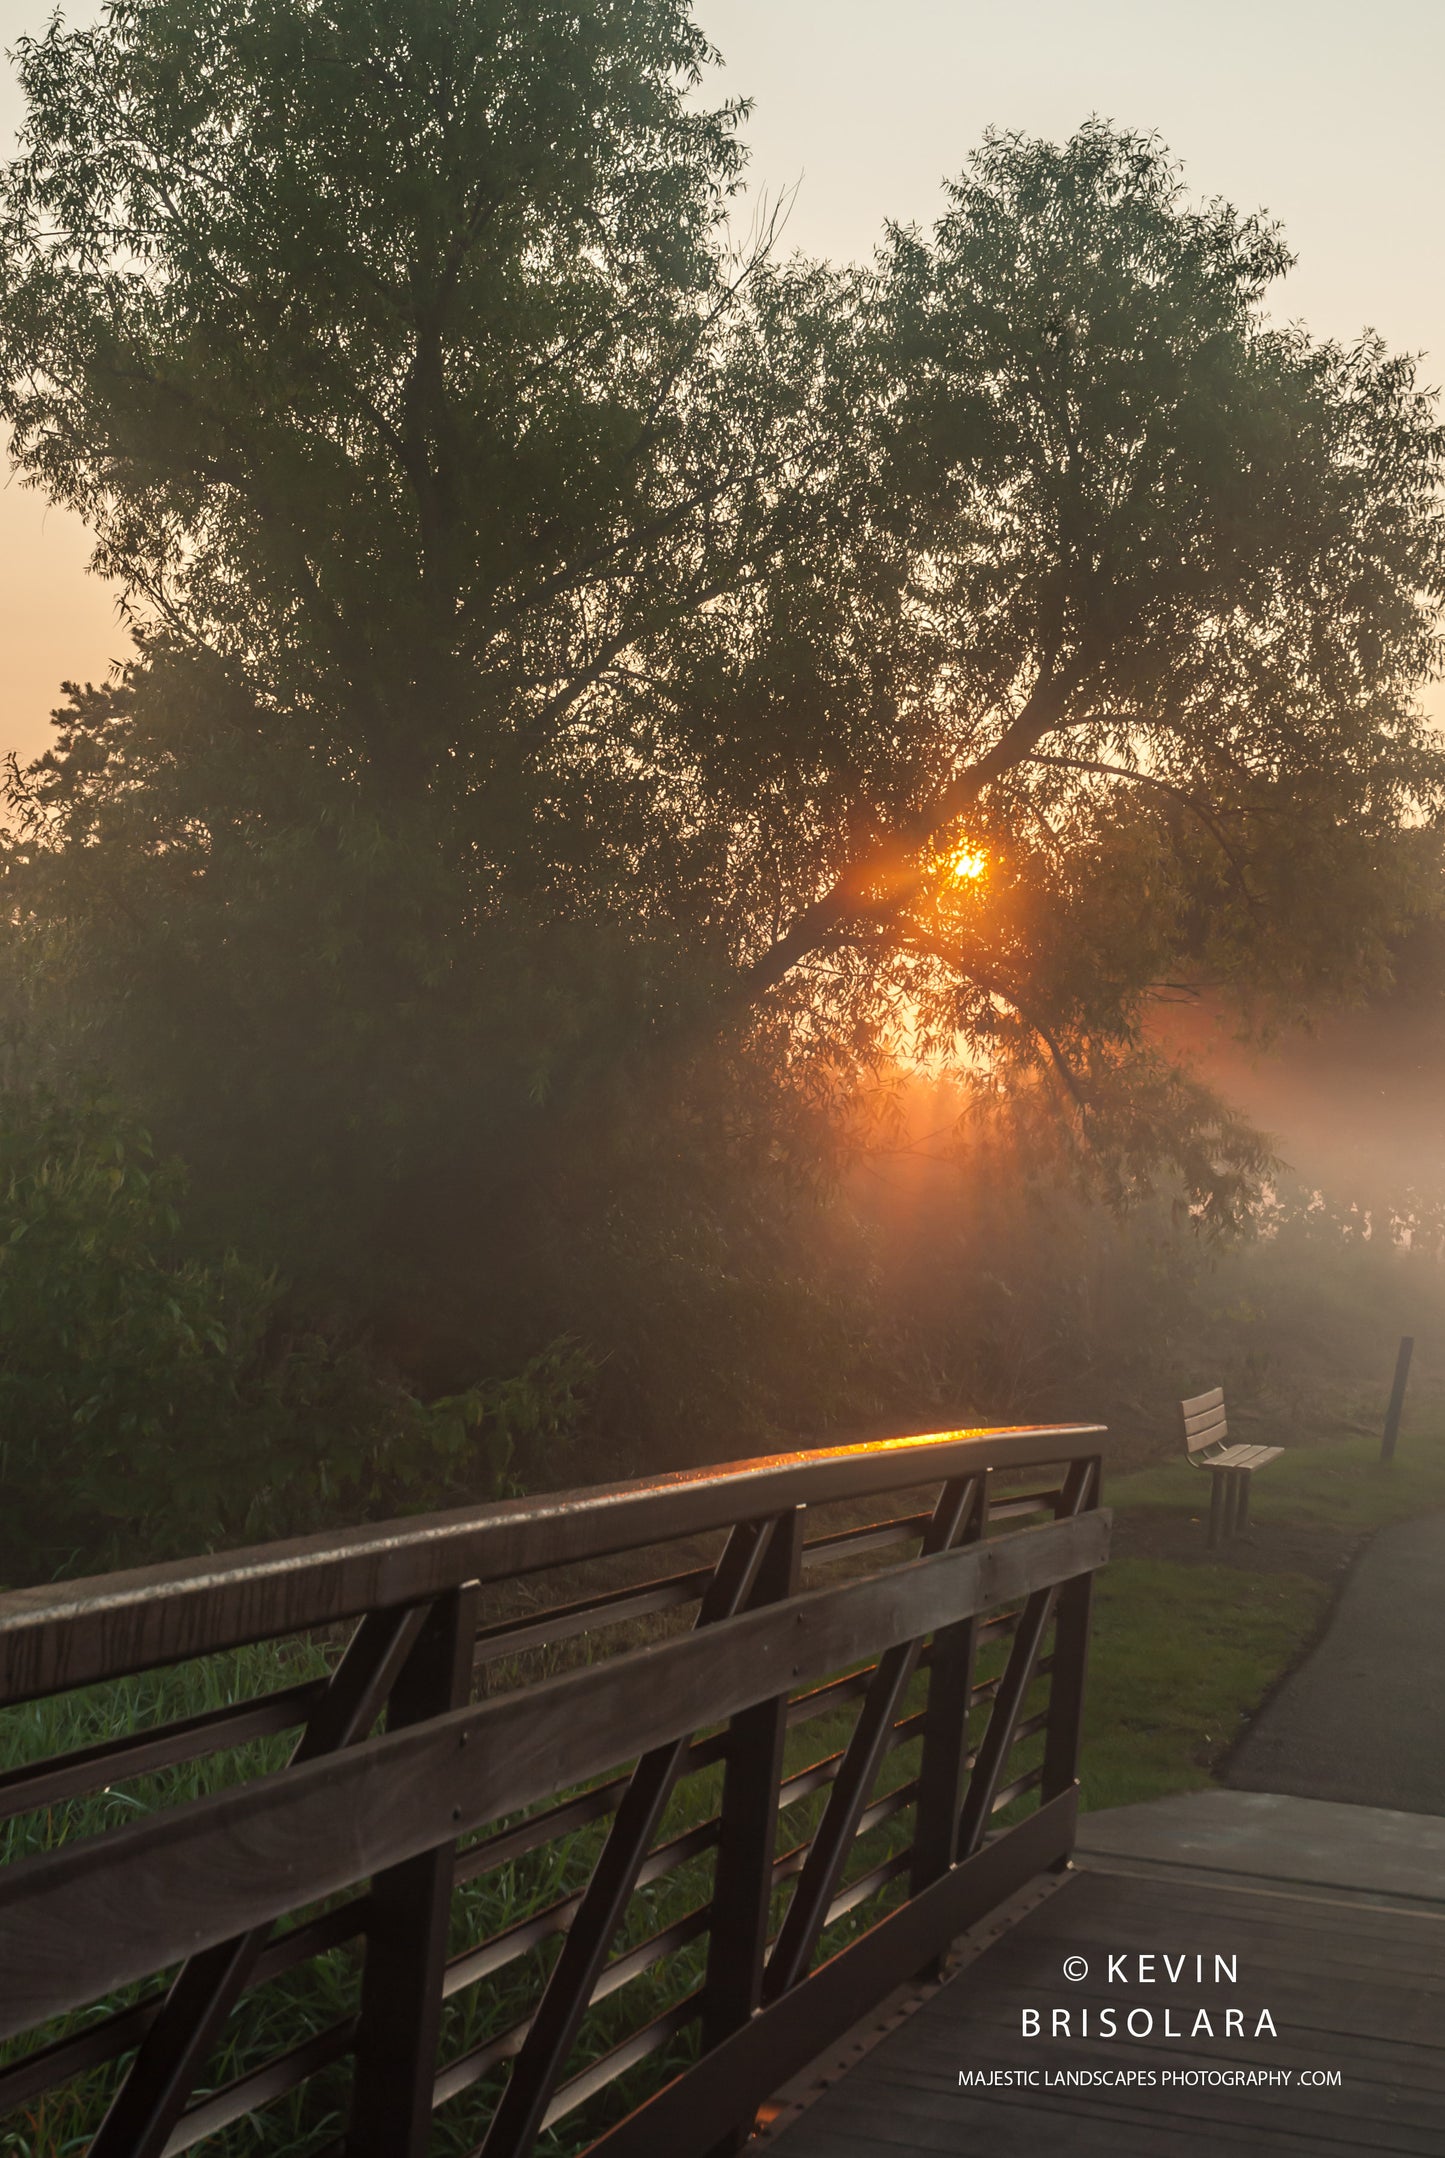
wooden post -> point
(1073, 1612)
(943, 1767)
(747, 1834)
(406, 1934)
(1397, 1398)
(832, 1840)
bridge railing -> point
(531, 1849)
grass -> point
(1184, 1653)
(1181, 1655)
(1339, 1485)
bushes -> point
(156, 1400)
(152, 1402)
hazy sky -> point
(1326, 114)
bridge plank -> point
(1344, 1984)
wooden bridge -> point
(626, 1821)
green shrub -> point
(152, 1403)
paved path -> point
(1258, 1838)
(1363, 1719)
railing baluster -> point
(1013, 1688)
(999, 1735)
(410, 1909)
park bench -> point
(1206, 1441)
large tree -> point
(600, 691)
(381, 345)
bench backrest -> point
(1205, 1427)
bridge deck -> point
(1351, 1973)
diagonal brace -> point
(807, 1913)
(521, 2111)
(174, 2050)
(1017, 1678)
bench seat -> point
(1243, 1457)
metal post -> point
(1397, 1398)
(1241, 1512)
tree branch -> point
(1146, 779)
(892, 860)
(923, 940)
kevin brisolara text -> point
(1146, 2023)
(1139, 2078)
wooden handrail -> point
(182, 1881)
(593, 1751)
(72, 1633)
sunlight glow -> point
(964, 864)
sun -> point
(963, 864)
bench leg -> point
(1217, 1481)
(1231, 1503)
(1241, 1514)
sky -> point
(1324, 114)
